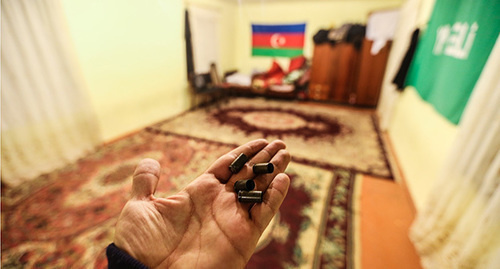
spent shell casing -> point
(250, 196)
(263, 168)
(238, 163)
(244, 185)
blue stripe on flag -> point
(279, 28)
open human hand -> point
(204, 225)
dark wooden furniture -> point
(371, 73)
(321, 69)
(342, 74)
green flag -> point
(452, 52)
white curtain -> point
(47, 121)
(460, 224)
(205, 35)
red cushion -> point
(275, 68)
(296, 63)
(275, 78)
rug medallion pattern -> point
(344, 138)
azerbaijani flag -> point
(279, 40)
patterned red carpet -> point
(65, 219)
(329, 136)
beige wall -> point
(318, 14)
(422, 139)
(131, 58)
(420, 136)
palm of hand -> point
(203, 225)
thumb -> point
(145, 179)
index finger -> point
(220, 168)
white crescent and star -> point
(277, 40)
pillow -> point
(275, 68)
(296, 63)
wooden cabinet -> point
(321, 70)
(371, 74)
(344, 72)
(340, 73)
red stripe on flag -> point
(278, 40)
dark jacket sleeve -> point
(400, 77)
(118, 258)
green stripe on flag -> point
(278, 52)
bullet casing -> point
(250, 196)
(238, 163)
(244, 185)
(263, 168)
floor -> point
(386, 214)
